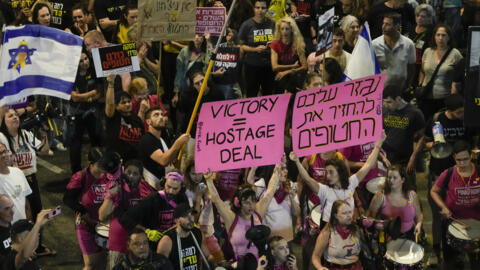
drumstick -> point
(416, 238)
(460, 222)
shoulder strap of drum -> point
(447, 179)
(164, 196)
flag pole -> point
(204, 84)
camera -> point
(39, 117)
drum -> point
(375, 184)
(403, 254)
(462, 238)
(101, 235)
(315, 218)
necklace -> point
(463, 178)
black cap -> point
(182, 210)
(109, 162)
(20, 226)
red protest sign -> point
(210, 19)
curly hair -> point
(297, 41)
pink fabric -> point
(360, 153)
(145, 189)
(462, 200)
(93, 191)
(86, 240)
(406, 213)
(228, 183)
(237, 233)
(317, 171)
(130, 199)
(153, 101)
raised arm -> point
(262, 205)
(312, 184)
(372, 159)
(110, 97)
(223, 209)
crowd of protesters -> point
(136, 207)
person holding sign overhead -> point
(255, 34)
(245, 211)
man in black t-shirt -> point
(6, 217)
(139, 255)
(61, 14)
(255, 34)
(403, 123)
(153, 151)
(155, 214)
(451, 120)
(19, 240)
(124, 128)
(190, 253)
(377, 12)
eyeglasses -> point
(463, 159)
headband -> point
(175, 175)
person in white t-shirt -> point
(339, 185)
(14, 184)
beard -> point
(186, 228)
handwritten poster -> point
(115, 59)
(325, 31)
(337, 116)
(166, 20)
(240, 133)
(210, 19)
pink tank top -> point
(237, 233)
(406, 213)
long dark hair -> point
(203, 47)
(244, 192)
(10, 138)
(342, 170)
(37, 8)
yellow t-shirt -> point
(122, 34)
(276, 10)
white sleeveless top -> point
(342, 251)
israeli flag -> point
(37, 60)
(363, 61)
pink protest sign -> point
(210, 19)
(240, 133)
(338, 116)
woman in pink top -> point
(244, 211)
(396, 200)
(85, 194)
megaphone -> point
(441, 149)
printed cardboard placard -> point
(166, 20)
(325, 31)
(211, 20)
(338, 116)
(116, 59)
(240, 133)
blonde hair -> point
(94, 35)
(346, 21)
(297, 41)
(136, 85)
